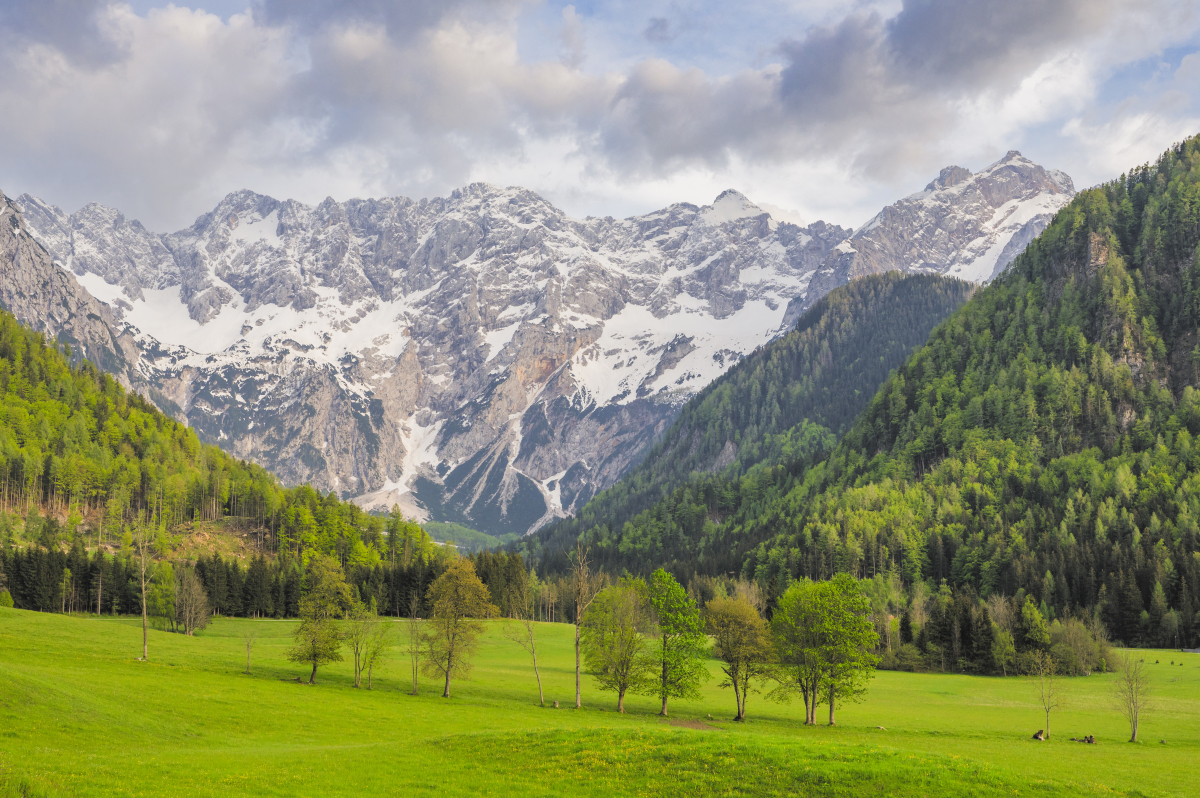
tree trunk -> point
(145, 650)
(541, 696)
(578, 699)
(312, 678)
(621, 701)
(446, 692)
(664, 678)
(1133, 739)
(831, 698)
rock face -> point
(51, 301)
(480, 358)
(961, 225)
(483, 358)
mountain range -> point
(481, 358)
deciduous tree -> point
(522, 633)
(849, 641)
(586, 584)
(359, 626)
(1004, 651)
(191, 601)
(139, 540)
(459, 598)
(797, 630)
(682, 643)
(415, 631)
(1131, 690)
(376, 648)
(326, 597)
(742, 643)
(614, 644)
(1049, 686)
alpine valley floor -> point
(80, 716)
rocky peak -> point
(948, 177)
(964, 225)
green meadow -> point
(79, 715)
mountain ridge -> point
(482, 356)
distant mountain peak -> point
(730, 205)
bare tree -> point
(376, 647)
(412, 643)
(521, 633)
(1132, 690)
(191, 601)
(1050, 690)
(249, 636)
(1001, 609)
(587, 585)
(744, 588)
(141, 543)
(360, 625)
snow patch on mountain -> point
(483, 357)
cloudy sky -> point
(831, 109)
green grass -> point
(465, 538)
(80, 716)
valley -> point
(206, 728)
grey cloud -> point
(659, 30)
(971, 41)
(401, 18)
(70, 26)
(939, 47)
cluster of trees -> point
(954, 630)
(1042, 442)
(781, 405)
(651, 637)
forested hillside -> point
(82, 461)
(783, 405)
(1043, 442)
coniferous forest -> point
(1041, 445)
(776, 410)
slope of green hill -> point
(82, 459)
(782, 405)
(1043, 440)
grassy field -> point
(80, 716)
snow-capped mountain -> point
(962, 225)
(484, 357)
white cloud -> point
(161, 114)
